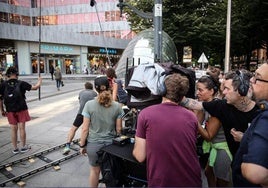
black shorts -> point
(78, 120)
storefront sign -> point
(56, 48)
(110, 51)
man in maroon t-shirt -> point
(166, 138)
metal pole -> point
(158, 30)
(228, 36)
(38, 67)
(93, 2)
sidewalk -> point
(48, 88)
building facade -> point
(61, 33)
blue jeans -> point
(58, 83)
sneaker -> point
(66, 150)
(24, 149)
(16, 151)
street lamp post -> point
(228, 36)
(157, 18)
(158, 30)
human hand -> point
(83, 151)
(236, 134)
(40, 79)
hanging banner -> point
(187, 54)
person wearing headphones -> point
(235, 111)
(250, 165)
(101, 123)
(12, 97)
(166, 138)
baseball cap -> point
(101, 81)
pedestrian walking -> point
(166, 138)
(72, 68)
(85, 95)
(58, 77)
(250, 165)
(13, 105)
(51, 71)
(102, 122)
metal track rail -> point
(39, 169)
(49, 164)
(35, 155)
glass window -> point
(3, 17)
(25, 20)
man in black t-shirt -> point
(14, 107)
(236, 111)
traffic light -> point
(92, 3)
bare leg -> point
(22, 133)
(71, 133)
(210, 176)
(94, 176)
(14, 135)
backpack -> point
(122, 94)
(13, 97)
(110, 169)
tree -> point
(202, 25)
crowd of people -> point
(231, 122)
(229, 114)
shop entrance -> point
(55, 62)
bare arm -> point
(212, 128)
(139, 151)
(37, 85)
(84, 134)
(115, 91)
(255, 173)
(3, 112)
(118, 126)
(191, 104)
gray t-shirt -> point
(102, 126)
(85, 96)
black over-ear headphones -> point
(244, 85)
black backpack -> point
(13, 97)
(110, 169)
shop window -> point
(3, 17)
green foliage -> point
(202, 25)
